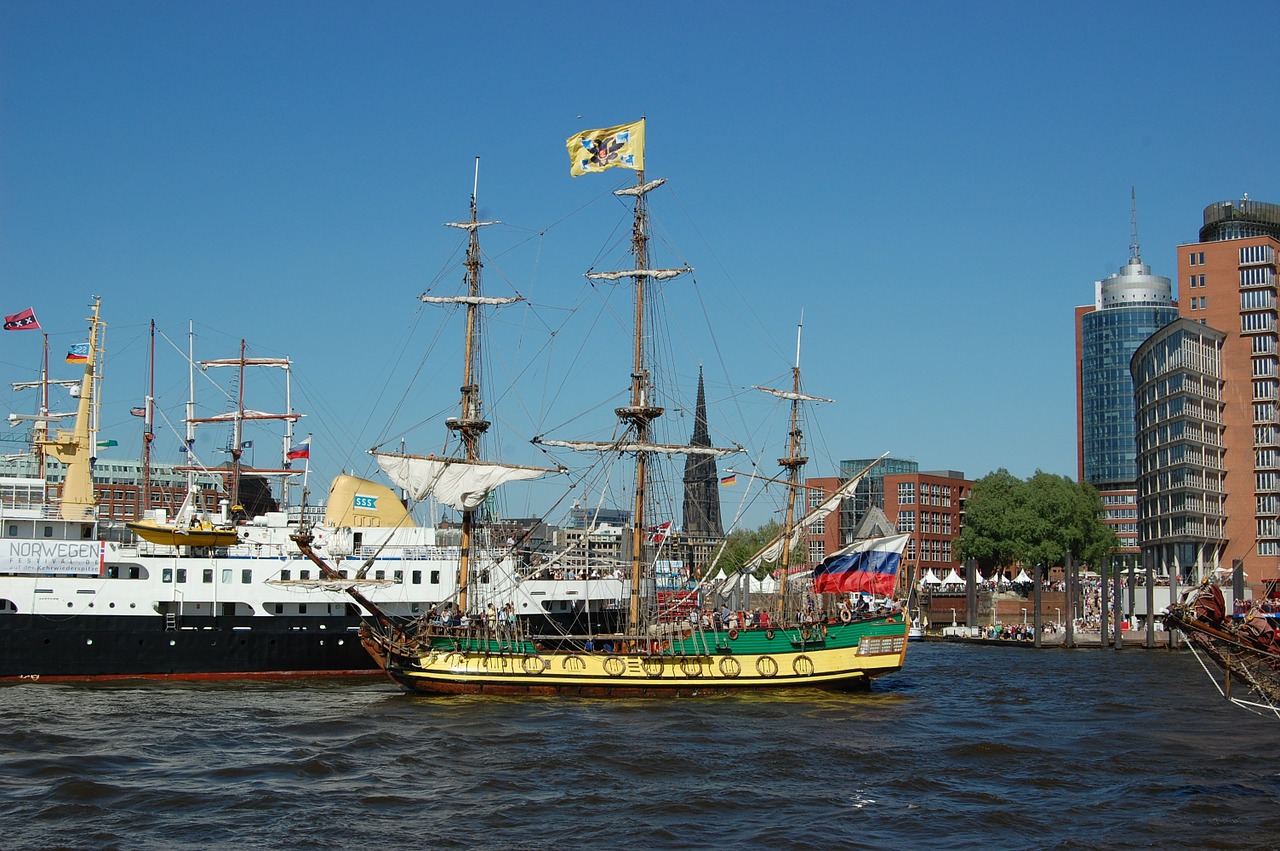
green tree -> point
(1036, 521)
(742, 544)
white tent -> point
(1022, 577)
(930, 578)
(768, 585)
(953, 578)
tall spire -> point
(701, 493)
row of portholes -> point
(109, 605)
(214, 643)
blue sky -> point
(934, 186)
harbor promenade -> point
(1083, 640)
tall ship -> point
(651, 649)
(225, 592)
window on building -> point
(906, 493)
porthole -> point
(88, 641)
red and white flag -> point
(24, 321)
(658, 534)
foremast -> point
(793, 463)
(471, 424)
(462, 483)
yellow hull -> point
(174, 536)
(726, 662)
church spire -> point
(701, 483)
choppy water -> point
(968, 747)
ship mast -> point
(792, 463)
(471, 424)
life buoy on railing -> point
(733, 634)
(666, 645)
(768, 634)
(846, 615)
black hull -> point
(33, 648)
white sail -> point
(773, 550)
(468, 299)
(658, 448)
(792, 395)
(458, 483)
(656, 274)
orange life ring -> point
(733, 633)
(666, 645)
(846, 615)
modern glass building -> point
(1128, 307)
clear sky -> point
(934, 186)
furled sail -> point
(657, 448)
(457, 483)
(468, 299)
(792, 395)
(773, 550)
(656, 274)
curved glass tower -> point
(1131, 305)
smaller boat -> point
(188, 529)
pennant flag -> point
(870, 566)
(138, 412)
(103, 444)
(23, 321)
(79, 353)
(658, 534)
(610, 147)
(300, 450)
(728, 481)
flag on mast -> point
(22, 321)
(79, 353)
(608, 147)
(870, 566)
(300, 450)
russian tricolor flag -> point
(870, 566)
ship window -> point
(13, 531)
(166, 575)
(113, 571)
(304, 574)
(182, 574)
(435, 577)
(398, 576)
(379, 574)
(342, 573)
(135, 572)
(284, 575)
(302, 608)
(246, 576)
(279, 608)
(208, 575)
(48, 531)
(226, 576)
(417, 577)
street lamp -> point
(1058, 612)
(953, 618)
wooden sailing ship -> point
(487, 651)
(1244, 651)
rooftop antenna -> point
(1135, 253)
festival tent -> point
(953, 578)
(930, 578)
(1022, 578)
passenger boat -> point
(479, 650)
(79, 600)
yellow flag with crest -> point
(609, 147)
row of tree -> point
(1007, 521)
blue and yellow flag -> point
(596, 150)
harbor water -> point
(968, 747)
